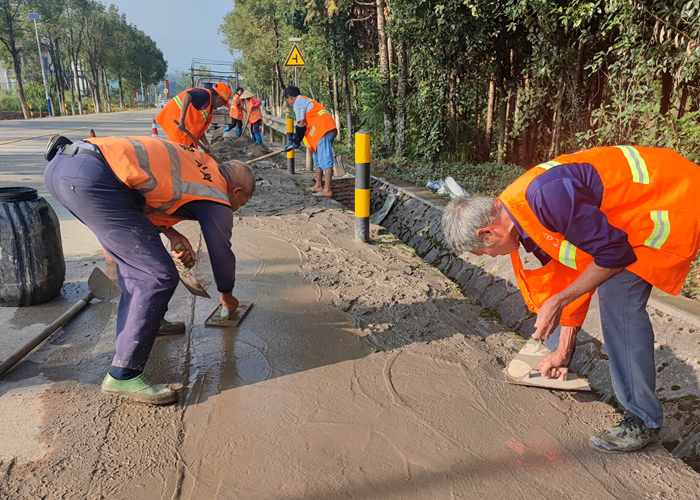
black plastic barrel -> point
(32, 269)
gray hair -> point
(240, 174)
(464, 216)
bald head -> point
(239, 175)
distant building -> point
(7, 78)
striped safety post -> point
(31, 111)
(66, 106)
(362, 162)
(290, 153)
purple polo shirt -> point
(566, 200)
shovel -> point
(101, 287)
(198, 142)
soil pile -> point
(230, 147)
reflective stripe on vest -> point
(662, 228)
(548, 165)
(166, 173)
(637, 164)
(567, 254)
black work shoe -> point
(630, 434)
(171, 327)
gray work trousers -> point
(629, 340)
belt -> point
(71, 150)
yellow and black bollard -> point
(290, 153)
(66, 105)
(31, 111)
(112, 106)
(363, 159)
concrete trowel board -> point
(214, 320)
(534, 379)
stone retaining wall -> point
(343, 190)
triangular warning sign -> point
(295, 59)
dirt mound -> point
(242, 149)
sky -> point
(182, 29)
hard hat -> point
(224, 91)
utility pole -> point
(41, 64)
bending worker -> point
(194, 110)
(314, 122)
(620, 219)
(254, 113)
(236, 113)
(128, 191)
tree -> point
(12, 32)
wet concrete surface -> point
(360, 372)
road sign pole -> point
(41, 64)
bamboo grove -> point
(90, 45)
(516, 81)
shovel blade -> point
(102, 287)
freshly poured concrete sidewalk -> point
(361, 372)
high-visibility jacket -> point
(166, 173)
(318, 121)
(197, 121)
(650, 193)
(254, 111)
(236, 108)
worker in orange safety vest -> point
(193, 109)
(237, 113)
(316, 124)
(129, 191)
(254, 114)
(617, 219)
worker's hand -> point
(229, 301)
(291, 145)
(548, 318)
(177, 242)
(555, 365)
(181, 126)
(207, 149)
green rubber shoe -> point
(630, 434)
(140, 389)
(171, 327)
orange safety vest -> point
(236, 108)
(254, 112)
(166, 173)
(196, 121)
(319, 122)
(650, 193)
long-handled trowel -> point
(101, 287)
(521, 370)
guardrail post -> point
(363, 158)
(290, 153)
(309, 158)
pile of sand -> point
(230, 147)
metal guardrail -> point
(277, 124)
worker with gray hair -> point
(617, 219)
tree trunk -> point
(108, 97)
(556, 136)
(121, 93)
(489, 116)
(666, 90)
(384, 66)
(336, 104)
(683, 101)
(504, 98)
(401, 101)
(77, 85)
(20, 85)
(348, 105)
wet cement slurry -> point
(360, 373)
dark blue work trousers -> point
(114, 212)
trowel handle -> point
(198, 142)
(45, 333)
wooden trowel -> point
(521, 370)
